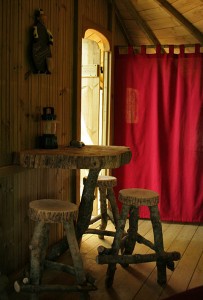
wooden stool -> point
(105, 185)
(131, 200)
(44, 212)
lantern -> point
(48, 138)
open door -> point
(95, 99)
(90, 95)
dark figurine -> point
(42, 40)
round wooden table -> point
(91, 157)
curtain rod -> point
(164, 46)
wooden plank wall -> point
(22, 97)
(97, 11)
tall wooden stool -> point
(105, 184)
(44, 212)
(131, 200)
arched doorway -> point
(95, 92)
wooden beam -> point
(167, 46)
(122, 25)
(141, 23)
(187, 24)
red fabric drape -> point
(159, 115)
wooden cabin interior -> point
(80, 84)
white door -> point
(95, 103)
(90, 97)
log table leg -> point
(86, 204)
(84, 215)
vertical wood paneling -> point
(21, 101)
(96, 11)
(4, 91)
(22, 97)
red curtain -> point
(159, 115)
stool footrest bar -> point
(59, 267)
(100, 232)
(137, 258)
(31, 288)
(95, 219)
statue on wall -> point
(42, 40)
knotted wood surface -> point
(104, 181)
(138, 197)
(87, 157)
(52, 210)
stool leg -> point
(44, 245)
(116, 244)
(36, 247)
(158, 244)
(112, 199)
(76, 255)
(130, 239)
(103, 207)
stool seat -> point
(106, 181)
(52, 211)
(138, 197)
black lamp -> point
(48, 139)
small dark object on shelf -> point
(76, 144)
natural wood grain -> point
(137, 282)
(92, 157)
(52, 211)
(22, 98)
(187, 24)
(138, 197)
(87, 157)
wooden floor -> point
(137, 282)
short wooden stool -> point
(44, 212)
(105, 184)
(131, 200)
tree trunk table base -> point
(91, 157)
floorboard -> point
(138, 281)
